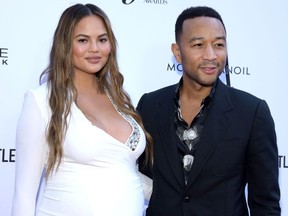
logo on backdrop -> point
(128, 2)
(235, 70)
(7, 155)
(283, 161)
(174, 67)
(239, 70)
(3, 56)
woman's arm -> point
(31, 150)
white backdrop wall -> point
(257, 45)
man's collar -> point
(206, 101)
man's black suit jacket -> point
(237, 145)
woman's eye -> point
(82, 40)
(103, 40)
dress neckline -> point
(133, 139)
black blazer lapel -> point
(165, 124)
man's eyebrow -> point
(201, 38)
(196, 38)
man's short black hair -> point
(193, 12)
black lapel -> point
(165, 123)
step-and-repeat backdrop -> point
(257, 46)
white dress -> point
(98, 175)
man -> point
(210, 140)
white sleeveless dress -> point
(98, 175)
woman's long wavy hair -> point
(62, 92)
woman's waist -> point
(73, 173)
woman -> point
(80, 127)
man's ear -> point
(176, 52)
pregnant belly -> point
(101, 193)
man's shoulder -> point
(161, 96)
(238, 93)
(167, 90)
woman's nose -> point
(94, 46)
